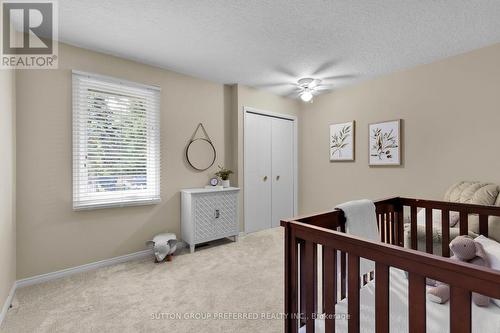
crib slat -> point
(302, 278)
(381, 298)
(393, 228)
(343, 277)
(291, 280)
(387, 227)
(330, 287)
(400, 221)
(342, 269)
(460, 310)
(382, 228)
(464, 217)
(428, 230)
(413, 226)
(379, 224)
(353, 293)
(416, 301)
(396, 228)
(310, 283)
(388, 222)
(303, 272)
(483, 225)
(445, 230)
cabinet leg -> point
(235, 238)
(191, 248)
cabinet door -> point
(282, 170)
(257, 170)
(204, 217)
(215, 216)
(226, 214)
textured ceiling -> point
(263, 43)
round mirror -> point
(201, 154)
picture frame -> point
(384, 143)
(342, 141)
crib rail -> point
(465, 211)
(304, 234)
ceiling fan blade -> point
(324, 67)
(324, 87)
(272, 85)
(340, 77)
(293, 94)
(285, 71)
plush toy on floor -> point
(464, 249)
(164, 246)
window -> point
(116, 142)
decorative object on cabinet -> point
(342, 141)
(214, 181)
(209, 214)
(164, 246)
(200, 152)
(384, 144)
(223, 174)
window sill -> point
(93, 206)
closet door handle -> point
(265, 178)
(278, 177)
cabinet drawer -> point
(215, 216)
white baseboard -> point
(70, 271)
(7, 303)
(67, 272)
(83, 268)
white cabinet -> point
(269, 182)
(209, 214)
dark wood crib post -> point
(399, 208)
(291, 283)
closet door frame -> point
(292, 118)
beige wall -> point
(7, 183)
(451, 113)
(51, 235)
(249, 97)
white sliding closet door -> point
(257, 172)
(269, 170)
(282, 170)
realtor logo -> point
(29, 34)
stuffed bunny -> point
(464, 249)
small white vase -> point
(225, 183)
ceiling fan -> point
(308, 87)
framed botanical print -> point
(385, 143)
(342, 141)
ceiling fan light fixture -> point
(306, 96)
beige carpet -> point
(232, 280)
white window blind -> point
(116, 142)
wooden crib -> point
(304, 235)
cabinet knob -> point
(265, 178)
(277, 177)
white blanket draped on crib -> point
(361, 221)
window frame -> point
(133, 197)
